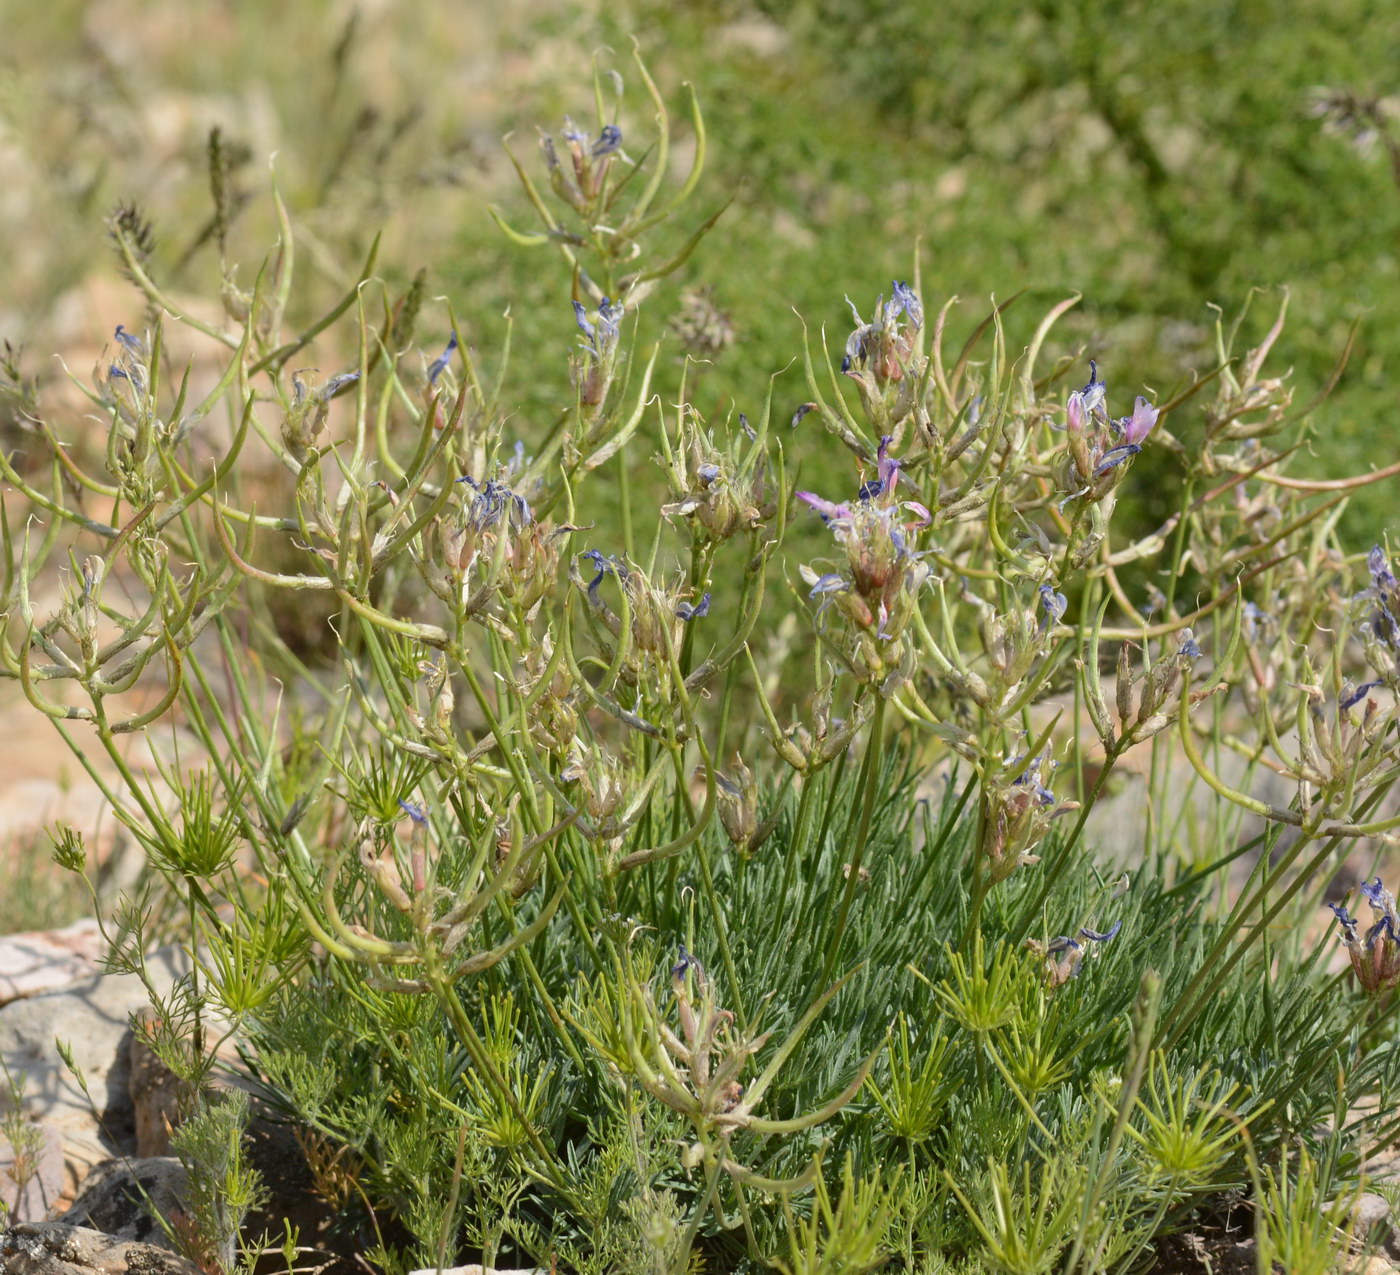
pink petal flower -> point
(828, 510)
(1139, 425)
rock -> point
(44, 960)
(1369, 1266)
(1370, 1210)
(121, 1198)
(91, 1016)
(1371, 1221)
(55, 1248)
(31, 1178)
(1371, 1217)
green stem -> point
(799, 834)
(702, 1208)
(873, 758)
(707, 881)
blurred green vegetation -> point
(1157, 159)
(1160, 160)
(39, 895)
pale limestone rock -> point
(91, 1016)
(122, 1198)
(54, 1248)
(43, 961)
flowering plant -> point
(436, 887)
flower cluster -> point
(1152, 710)
(885, 344)
(722, 494)
(1380, 630)
(656, 618)
(590, 160)
(592, 366)
(877, 590)
(1019, 810)
(1375, 959)
(125, 381)
(1063, 955)
(306, 415)
(883, 359)
(1099, 445)
(494, 545)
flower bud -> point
(737, 800)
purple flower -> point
(1055, 604)
(832, 582)
(905, 300)
(1384, 589)
(887, 473)
(413, 812)
(132, 343)
(1356, 696)
(697, 612)
(1031, 778)
(685, 965)
(609, 317)
(1347, 923)
(492, 502)
(1135, 428)
(608, 141)
(439, 364)
(1076, 417)
(1062, 942)
(1384, 928)
(606, 567)
(581, 317)
(886, 465)
(825, 587)
(1092, 395)
(1381, 574)
(829, 511)
(337, 383)
(604, 332)
(1375, 893)
(914, 507)
(1115, 456)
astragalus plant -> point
(682, 865)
